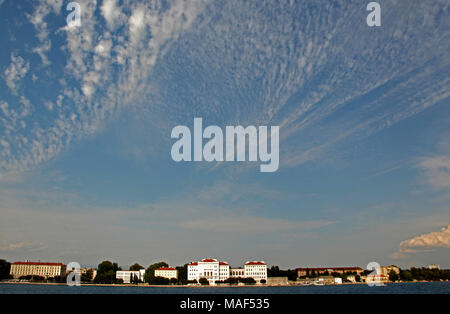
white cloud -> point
(112, 13)
(16, 72)
(428, 240)
(244, 44)
(44, 8)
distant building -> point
(385, 270)
(237, 272)
(209, 268)
(277, 281)
(301, 272)
(434, 266)
(256, 270)
(326, 280)
(351, 278)
(376, 279)
(46, 270)
(214, 270)
(166, 272)
(128, 275)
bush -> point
(247, 281)
(159, 281)
(204, 281)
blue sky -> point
(86, 115)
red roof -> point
(38, 263)
(255, 263)
(166, 268)
(209, 260)
(223, 263)
(330, 268)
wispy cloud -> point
(116, 64)
(37, 18)
(16, 72)
(437, 171)
(20, 246)
(250, 224)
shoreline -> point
(195, 286)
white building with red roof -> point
(214, 270)
(166, 272)
(256, 270)
(47, 270)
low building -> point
(327, 280)
(302, 272)
(46, 270)
(166, 272)
(351, 278)
(385, 270)
(237, 272)
(129, 276)
(277, 281)
(434, 266)
(376, 279)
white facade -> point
(434, 266)
(210, 269)
(213, 270)
(237, 272)
(256, 270)
(47, 270)
(126, 275)
(166, 272)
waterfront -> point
(398, 288)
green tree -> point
(182, 273)
(247, 280)
(87, 277)
(4, 269)
(405, 275)
(393, 276)
(136, 267)
(150, 271)
(106, 272)
(203, 282)
(231, 280)
(159, 281)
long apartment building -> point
(323, 270)
(166, 272)
(46, 270)
(214, 270)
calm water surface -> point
(402, 288)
